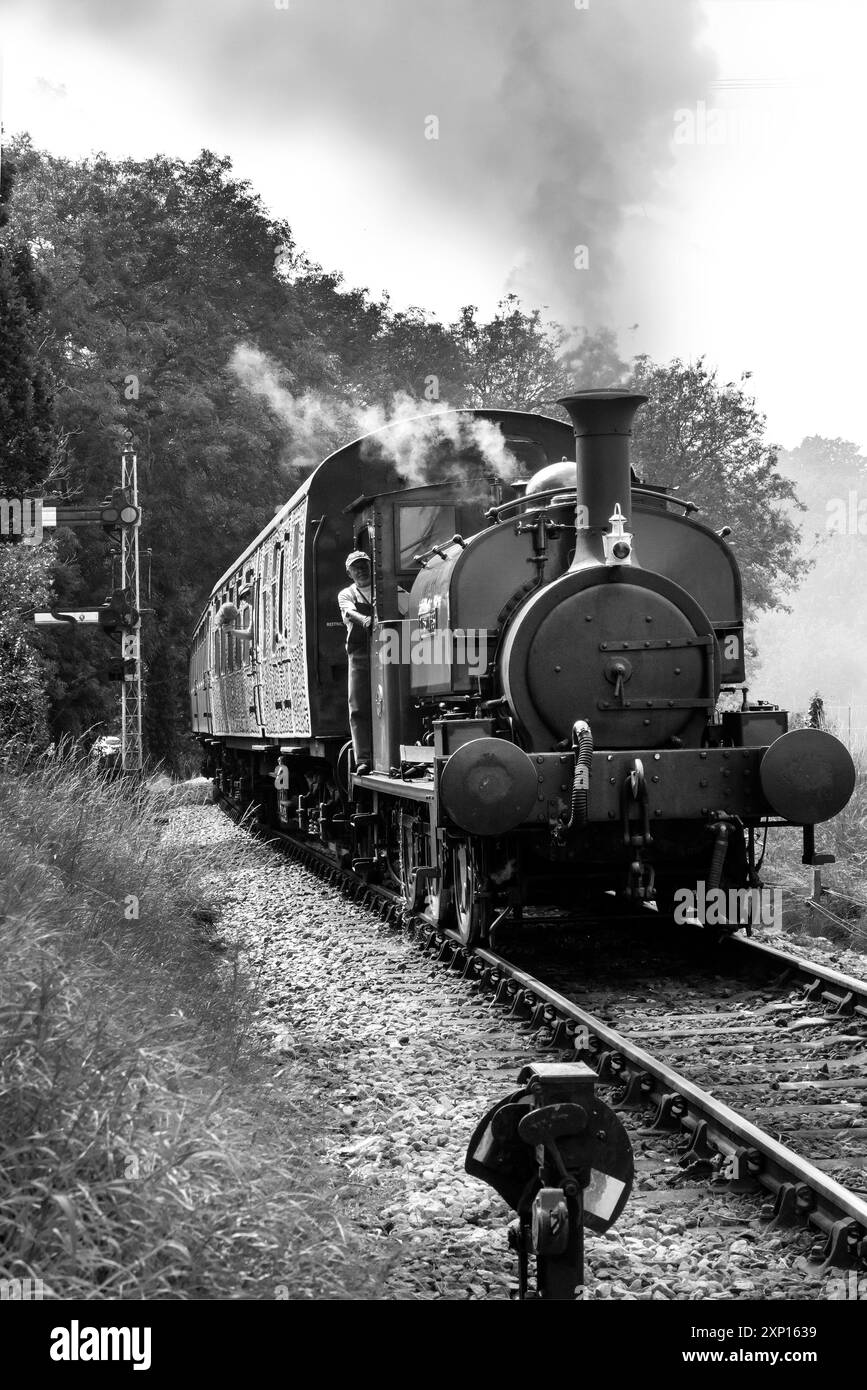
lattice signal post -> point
(121, 612)
(130, 690)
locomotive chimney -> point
(602, 420)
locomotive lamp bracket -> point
(617, 543)
(563, 1162)
(541, 528)
(633, 790)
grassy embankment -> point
(143, 1152)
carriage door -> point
(256, 601)
(194, 685)
(248, 598)
(205, 663)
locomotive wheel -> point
(473, 914)
(433, 898)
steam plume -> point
(317, 424)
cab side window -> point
(419, 529)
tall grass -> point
(144, 1152)
(849, 829)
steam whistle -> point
(618, 541)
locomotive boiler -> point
(562, 711)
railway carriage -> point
(561, 713)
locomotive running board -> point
(413, 790)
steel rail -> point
(714, 1125)
(847, 993)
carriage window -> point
(231, 641)
(293, 583)
(274, 581)
(419, 529)
(262, 633)
(282, 623)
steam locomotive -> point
(562, 711)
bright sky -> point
(733, 229)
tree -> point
(594, 360)
(707, 440)
(27, 436)
(25, 577)
(27, 451)
(816, 713)
(159, 271)
(518, 361)
(825, 628)
(825, 473)
(512, 360)
(157, 268)
(417, 356)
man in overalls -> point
(356, 610)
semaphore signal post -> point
(121, 612)
(130, 690)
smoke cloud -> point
(532, 130)
(416, 431)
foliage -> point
(25, 574)
(824, 471)
(518, 361)
(27, 438)
(816, 712)
(27, 451)
(826, 629)
(707, 440)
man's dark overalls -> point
(358, 652)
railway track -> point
(786, 1046)
(790, 1098)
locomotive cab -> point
(402, 530)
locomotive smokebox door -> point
(562, 1160)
